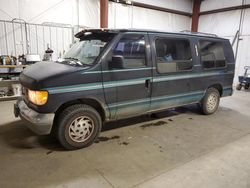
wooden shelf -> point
(9, 80)
(10, 70)
(13, 66)
(7, 98)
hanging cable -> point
(242, 15)
(240, 29)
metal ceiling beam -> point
(195, 15)
(225, 9)
(152, 7)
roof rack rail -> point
(199, 33)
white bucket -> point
(17, 89)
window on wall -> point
(173, 55)
(212, 54)
(132, 48)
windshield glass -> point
(88, 48)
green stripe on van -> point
(185, 76)
(119, 70)
(197, 95)
(154, 99)
(110, 84)
(162, 102)
(99, 85)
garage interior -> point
(178, 147)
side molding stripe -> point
(165, 97)
(119, 70)
(154, 99)
(110, 84)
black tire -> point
(246, 87)
(239, 86)
(76, 121)
(210, 101)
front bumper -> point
(39, 123)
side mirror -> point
(117, 62)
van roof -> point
(184, 32)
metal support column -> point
(195, 15)
(104, 13)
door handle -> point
(147, 84)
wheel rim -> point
(81, 129)
(212, 102)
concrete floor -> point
(178, 148)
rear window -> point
(212, 54)
(173, 55)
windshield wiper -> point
(71, 58)
(76, 61)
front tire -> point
(78, 126)
(210, 101)
(239, 86)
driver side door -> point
(127, 82)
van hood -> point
(33, 76)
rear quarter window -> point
(212, 54)
(173, 55)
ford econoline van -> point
(114, 74)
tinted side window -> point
(132, 48)
(173, 55)
(212, 54)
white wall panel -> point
(246, 23)
(37, 11)
(217, 4)
(40, 11)
(182, 5)
(9, 9)
(58, 11)
(222, 24)
(122, 16)
(126, 16)
(160, 20)
(243, 58)
(65, 11)
(89, 13)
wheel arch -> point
(88, 101)
(218, 87)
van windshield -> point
(88, 48)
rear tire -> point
(239, 86)
(210, 101)
(246, 87)
(78, 126)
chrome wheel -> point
(212, 102)
(81, 129)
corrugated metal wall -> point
(124, 16)
(120, 16)
(65, 11)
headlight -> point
(38, 97)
